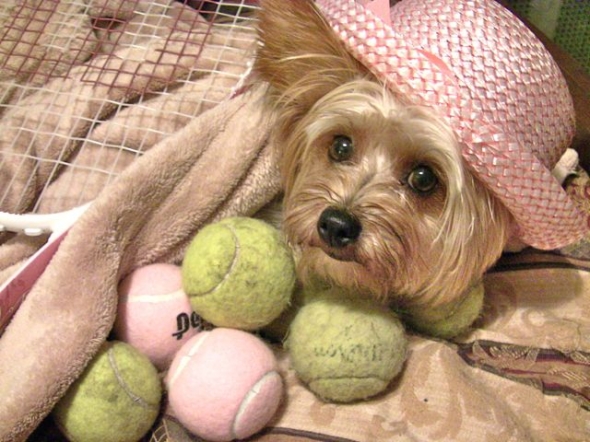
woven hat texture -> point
(483, 70)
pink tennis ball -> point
(154, 314)
(224, 385)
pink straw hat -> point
(480, 68)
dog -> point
(378, 195)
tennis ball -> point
(154, 314)
(346, 348)
(117, 397)
(238, 273)
(449, 320)
(224, 384)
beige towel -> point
(148, 215)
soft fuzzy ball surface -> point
(154, 314)
(224, 385)
(116, 399)
(450, 321)
(238, 273)
(345, 348)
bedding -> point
(139, 107)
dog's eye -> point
(341, 148)
(422, 179)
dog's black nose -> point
(338, 228)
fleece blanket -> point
(78, 81)
(65, 117)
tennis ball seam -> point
(187, 358)
(134, 397)
(154, 299)
(246, 401)
(233, 263)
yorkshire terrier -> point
(377, 196)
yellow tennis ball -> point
(238, 273)
(449, 321)
(346, 348)
(117, 398)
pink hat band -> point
(480, 68)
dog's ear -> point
(300, 55)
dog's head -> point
(378, 197)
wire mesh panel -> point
(88, 86)
(573, 30)
(567, 22)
